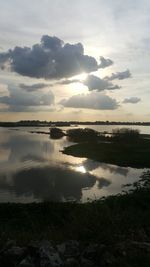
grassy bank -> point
(119, 225)
(114, 219)
(133, 154)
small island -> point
(124, 147)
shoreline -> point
(136, 155)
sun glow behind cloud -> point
(75, 88)
(81, 76)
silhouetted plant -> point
(56, 133)
(81, 135)
(126, 134)
(142, 184)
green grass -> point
(135, 154)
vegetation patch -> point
(114, 231)
(123, 148)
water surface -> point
(33, 168)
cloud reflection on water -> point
(49, 183)
(32, 168)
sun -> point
(78, 86)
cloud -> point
(34, 87)
(66, 81)
(92, 100)
(51, 59)
(119, 75)
(105, 62)
(131, 100)
(20, 100)
(3, 90)
(95, 83)
(77, 112)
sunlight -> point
(78, 88)
(81, 76)
(81, 169)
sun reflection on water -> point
(81, 169)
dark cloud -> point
(105, 62)
(93, 100)
(66, 81)
(34, 87)
(3, 59)
(95, 83)
(131, 100)
(51, 59)
(20, 100)
(119, 75)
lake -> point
(33, 169)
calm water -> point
(32, 168)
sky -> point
(77, 60)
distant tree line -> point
(66, 123)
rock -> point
(9, 244)
(87, 263)
(61, 248)
(12, 256)
(120, 249)
(107, 259)
(141, 245)
(92, 255)
(141, 235)
(90, 252)
(49, 257)
(33, 249)
(28, 262)
(71, 262)
(71, 249)
(15, 252)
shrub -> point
(126, 134)
(56, 133)
(80, 135)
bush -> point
(56, 133)
(81, 135)
(126, 134)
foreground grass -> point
(133, 154)
(113, 219)
(121, 224)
